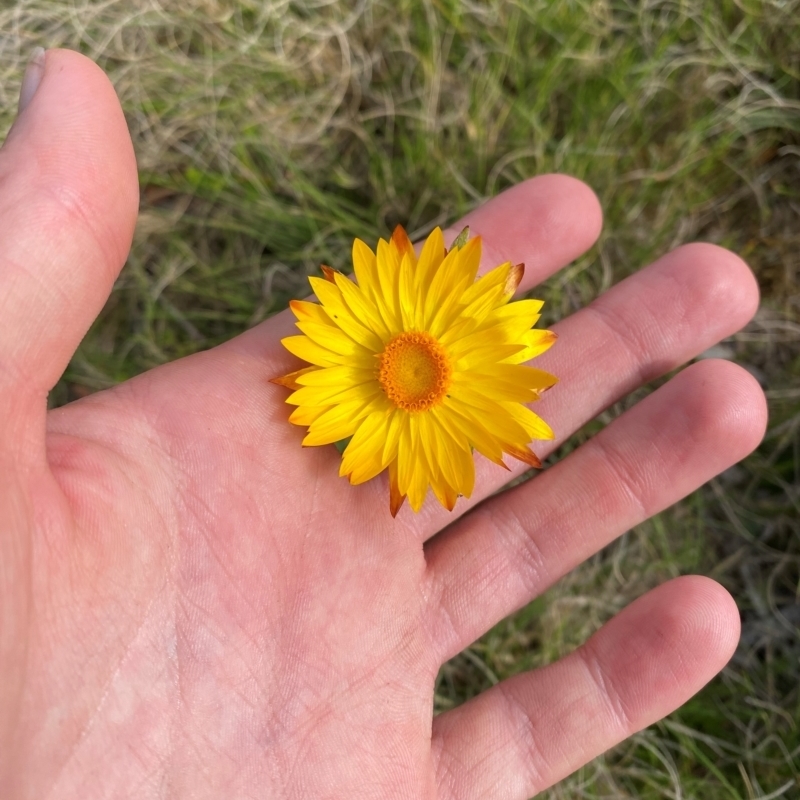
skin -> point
(194, 606)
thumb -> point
(68, 203)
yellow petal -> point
(478, 438)
(493, 387)
(444, 477)
(429, 450)
(430, 454)
(449, 424)
(430, 258)
(393, 427)
(340, 315)
(465, 467)
(529, 377)
(447, 313)
(500, 425)
(338, 341)
(336, 424)
(495, 326)
(408, 299)
(421, 458)
(335, 376)
(457, 449)
(536, 343)
(492, 292)
(362, 459)
(303, 347)
(305, 415)
(388, 275)
(534, 425)
(312, 312)
(328, 395)
(495, 281)
(526, 311)
(470, 257)
(365, 267)
(450, 298)
(405, 455)
(472, 358)
(419, 485)
(447, 279)
(361, 307)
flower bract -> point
(419, 362)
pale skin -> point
(194, 606)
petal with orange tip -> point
(402, 243)
(396, 499)
(290, 380)
(523, 454)
(513, 280)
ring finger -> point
(518, 544)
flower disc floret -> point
(414, 371)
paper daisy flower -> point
(420, 363)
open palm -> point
(193, 606)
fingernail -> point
(32, 78)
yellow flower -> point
(419, 363)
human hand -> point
(191, 605)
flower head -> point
(420, 362)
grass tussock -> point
(270, 132)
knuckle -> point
(524, 732)
(516, 537)
(607, 688)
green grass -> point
(270, 133)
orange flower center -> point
(414, 371)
